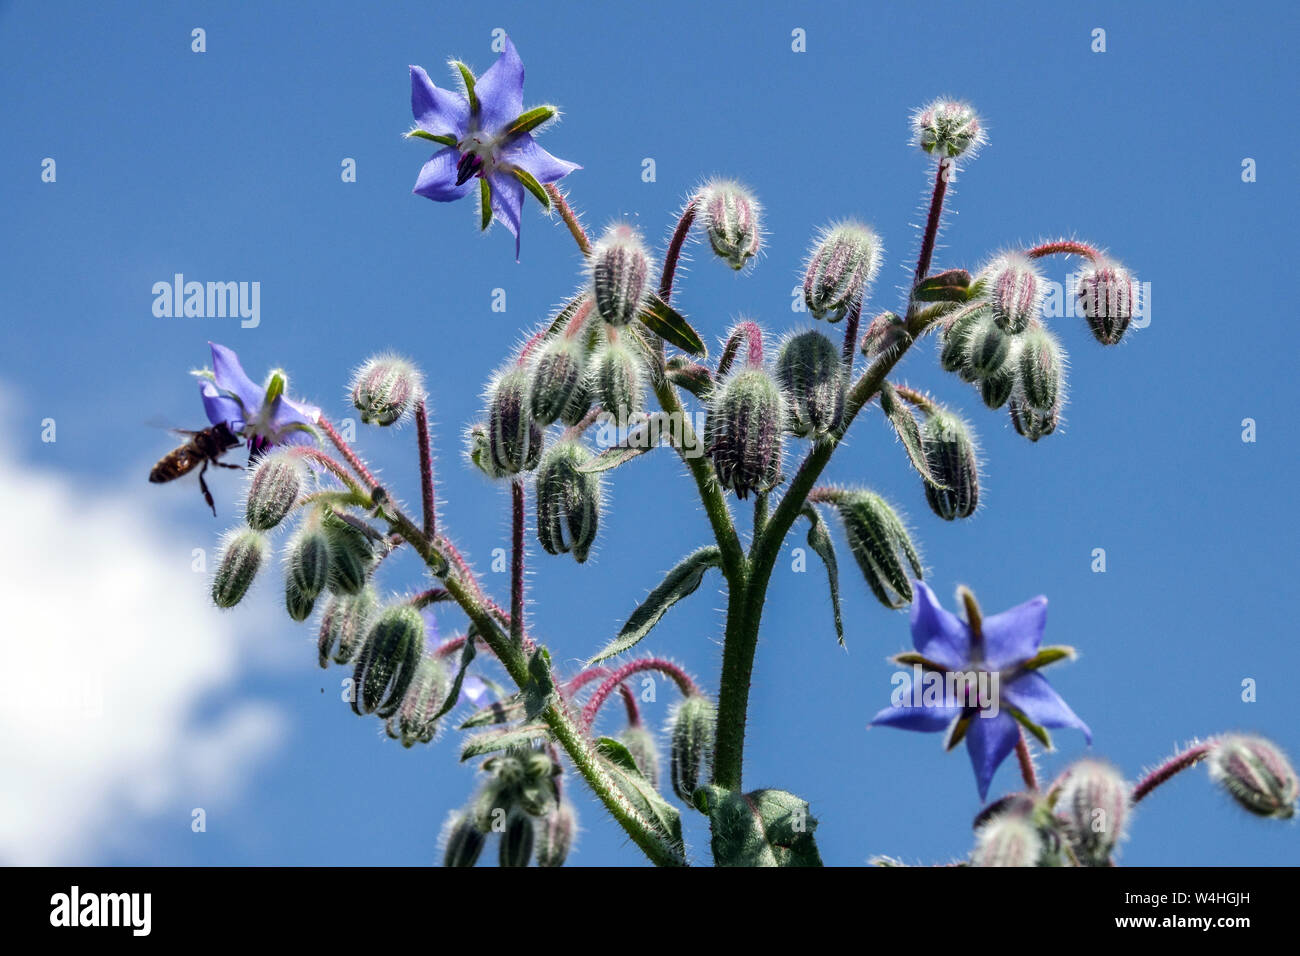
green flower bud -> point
(579, 403)
(388, 660)
(950, 453)
(568, 501)
(516, 847)
(840, 267)
(414, 720)
(555, 833)
(1093, 802)
(809, 368)
(987, 349)
(464, 841)
(298, 605)
(308, 564)
(1008, 839)
(641, 744)
(996, 389)
(886, 335)
(880, 544)
(616, 379)
(1030, 422)
(273, 490)
(619, 266)
(948, 128)
(743, 431)
(351, 554)
(691, 728)
(1256, 774)
(478, 450)
(1041, 363)
(514, 437)
(242, 553)
(955, 338)
(1107, 295)
(385, 388)
(345, 624)
(731, 215)
(557, 374)
(1015, 291)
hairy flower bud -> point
(619, 266)
(385, 388)
(555, 833)
(950, 453)
(987, 349)
(880, 544)
(351, 554)
(886, 334)
(557, 374)
(840, 267)
(1015, 291)
(1008, 839)
(1256, 774)
(568, 501)
(640, 743)
(414, 720)
(616, 379)
(273, 490)
(1030, 422)
(308, 560)
(691, 728)
(997, 389)
(388, 660)
(242, 553)
(516, 847)
(947, 128)
(345, 624)
(1041, 365)
(464, 841)
(1107, 297)
(514, 437)
(743, 431)
(730, 215)
(808, 366)
(579, 404)
(1093, 802)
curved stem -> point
(618, 676)
(674, 253)
(1171, 768)
(1064, 247)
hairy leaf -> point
(819, 539)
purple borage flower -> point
(980, 684)
(263, 415)
(486, 136)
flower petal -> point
(527, 155)
(1032, 694)
(989, 741)
(229, 376)
(285, 413)
(440, 112)
(221, 408)
(508, 202)
(500, 90)
(1013, 636)
(928, 720)
(937, 634)
(437, 179)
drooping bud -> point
(840, 267)
(619, 267)
(1041, 363)
(1256, 774)
(568, 501)
(987, 349)
(351, 554)
(557, 374)
(308, 560)
(948, 128)
(273, 490)
(388, 660)
(808, 366)
(298, 605)
(516, 847)
(880, 544)
(641, 744)
(1008, 839)
(579, 403)
(743, 431)
(1093, 802)
(555, 833)
(537, 793)
(997, 388)
(731, 218)
(1015, 290)
(242, 553)
(345, 624)
(616, 379)
(1107, 297)
(1030, 422)
(956, 335)
(385, 388)
(886, 335)
(464, 841)
(514, 437)
(950, 453)
(691, 732)
(414, 721)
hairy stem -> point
(1064, 247)
(517, 562)
(931, 233)
(570, 218)
(1026, 761)
(621, 674)
(674, 253)
(426, 470)
(1171, 768)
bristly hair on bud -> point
(243, 552)
(880, 544)
(1108, 297)
(462, 840)
(557, 376)
(952, 454)
(555, 835)
(514, 438)
(743, 430)
(1030, 422)
(388, 661)
(810, 369)
(1008, 839)
(615, 377)
(385, 389)
(414, 722)
(690, 730)
(1094, 804)
(620, 267)
(568, 501)
(640, 743)
(731, 218)
(273, 489)
(1040, 370)
(344, 625)
(1015, 289)
(948, 128)
(843, 262)
(1256, 774)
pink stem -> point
(517, 563)
(426, 470)
(615, 679)
(325, 461)
(753, 336)
(932, 221)
(1026, 761)
(1064, 247)
(570, 218)
(674, 252)
(346, 451)
(1171, 768)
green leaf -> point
(950, 286)
(819, 539)
(1037, 730)
(667, 323)
(467, 652)
(497, 712)
(680, 582)
(530, 120)
(497, 740)
(763, 828)
(638, 441)
(431, 137)
(468, 78)
(564, 316)
(908, 658)
(539, 692)
(485, 203)
(957, 732)
(618, 763)
(532, 185)
(909, 433)
(1049, 655)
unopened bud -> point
(555, 833)
(345, 624)
(641, 744)
(273, 490)
(1041, 363)
(950, 453)
(955, 338)
(414, 721)
(242, 554)
(351, 554)
(1030, 422)
(1015, 291)
(557, 375)
(692, 725)
(730, 215)
(579, 404)
(881, 545)
(841, 265)
(568, 501)
(1093, 802)
(514, 437)
(619, 266)
(616, 379)
(886, 335)
(1256, 774)
(309, 560)
(464, 841)
(516, 847)
(743, 431)
(997, 388)
(1008, 839)
(388, 660)
(385, 388)
(1107, 296)
(987, 349)
(808, 366)
(947, 128)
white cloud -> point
(110, 646)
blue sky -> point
(225, 165)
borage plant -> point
(593, 369)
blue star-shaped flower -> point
(264, 415)
(1006, 645)
(486, 136)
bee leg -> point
(203, 486)
(226, 464)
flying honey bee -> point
(203, 448)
